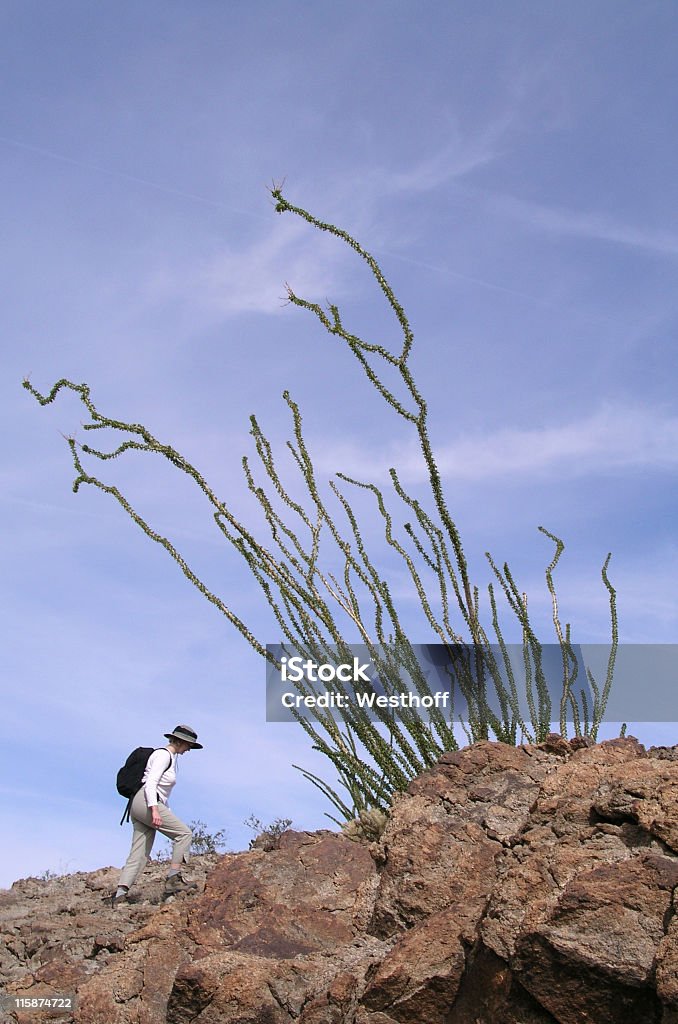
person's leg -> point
(181, 837)
(142, 843)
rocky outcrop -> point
(528, 885)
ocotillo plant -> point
(320, 611)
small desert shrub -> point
(203, 841)
(47, 875)
(267, 837)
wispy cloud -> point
(249, 277)
(584, 224)
(461, 154)
(612, 438)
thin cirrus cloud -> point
(583, 224)
(249, 278)
(612, 438)
(459, 156)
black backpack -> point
(128, 779)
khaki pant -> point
(144, 835)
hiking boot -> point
(177, 883)
(112, 900)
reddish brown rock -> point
(441, 844)
(556, 744)
(419, 978)
(580, 911)
(246, 905)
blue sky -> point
(513, 168)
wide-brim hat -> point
(186, 734)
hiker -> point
(150, 814)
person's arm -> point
(157, 766)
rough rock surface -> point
(528, 885)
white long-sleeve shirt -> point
(159, 778)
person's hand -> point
(156, 820)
